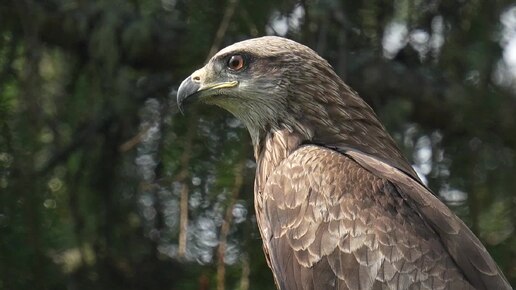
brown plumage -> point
(337, 205)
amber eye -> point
(236, 62)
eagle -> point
(337, 204)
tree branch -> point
(226, 223)
(182, 177)
(223, 27)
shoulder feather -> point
(462, 245)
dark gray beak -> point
(186, 92)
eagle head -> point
(265, 82)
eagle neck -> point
(337, 118)
(271, 150)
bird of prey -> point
(337, 205)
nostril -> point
(196, 79)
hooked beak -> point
(192, 89)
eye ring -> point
(236, 62)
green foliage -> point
(94, 156)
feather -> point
(398, 251)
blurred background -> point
(103, 185)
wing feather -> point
(335, 225)
(461, 244)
